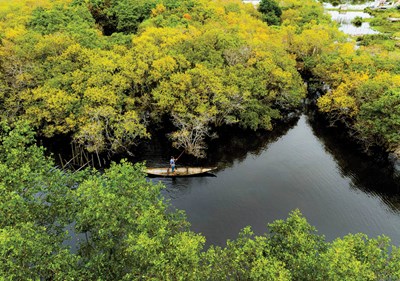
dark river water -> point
(264, 176)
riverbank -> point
(363, 85)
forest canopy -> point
(106, 74)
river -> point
(344, 18)
(262, 177)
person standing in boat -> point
(172, 164)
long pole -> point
(180, 155)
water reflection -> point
(345, 17)
(264, 176)
(345, 25)
(369, 174)
(232, 146)
(235, 145)
(354, 7)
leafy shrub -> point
(271, 12)
(357, 21)
(378, 21)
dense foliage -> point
(106, 72)
(121, 229)
(365, 86)
(271, 11)
(100, 71)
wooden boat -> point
(179, 172)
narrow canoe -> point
(179, 172)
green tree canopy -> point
(271, 11)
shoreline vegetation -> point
(112, 73)
(105, 72)
(128, 232)
(386, 42)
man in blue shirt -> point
(172, 164)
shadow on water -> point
(234, 145)
(231, 146)
(262, 176)
(371, 174)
